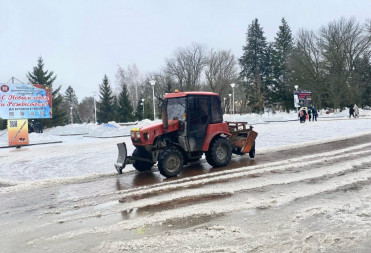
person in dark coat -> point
(31, 126)
(302, 115)
(315, 114)
(351, 112)
(310, 113)
(38, 127)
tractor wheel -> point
(252, 151)
(236, 150)
(140, 165)
(170, 162)
(220, 152)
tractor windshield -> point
(176, 108)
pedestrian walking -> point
(302, 115)
(351, 111)
(315, 114)
(356, 111)
(310, 113)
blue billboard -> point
(25, 101)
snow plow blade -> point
(251, 136)
(121, 160)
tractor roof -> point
(187, 93)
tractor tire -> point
(220, 152)
(140, 165)
(252, 151)
(236, 150)
(170, 162)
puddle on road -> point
(172, 204)
(137, 179)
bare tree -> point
(221, 71)
(343, 42)
(186, 67)
(86, 109)
(133, 80)
(307, 65)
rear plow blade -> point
(251, 136)
(121, 160)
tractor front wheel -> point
(170, 162)
(220, 152)
(140, 165)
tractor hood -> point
(148, 134)
(172, 126)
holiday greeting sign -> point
(25, 101)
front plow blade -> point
(251, 136)
(121, 160)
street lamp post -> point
(143, 106)
(95, 110)
(71, 115)
(224, 105)
(230, 103)
(153, 82)
(233, 85)
(296, 88)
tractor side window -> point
(216, 110)
(176, 108)
(199, 112)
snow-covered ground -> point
(88, 149)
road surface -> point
(312, 199)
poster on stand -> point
(18, 132)
(25, 101)
(302, 98)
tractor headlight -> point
(135, 133)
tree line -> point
(333, 63)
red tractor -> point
(192, 125)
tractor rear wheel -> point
(140, 165)
(170, 162)
(237, 150)
(220, 152)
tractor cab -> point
(192, 125)
(194, 111)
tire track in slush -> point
(198, 195)
(331, 184)
(225, 176)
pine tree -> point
(70, 100)
(282, 49)
(125, 113)
(3, 123)
(70, 96)
(39, 76)
(361, 79)
(105, 105)
(148, 110)
(169, 87)
(255, 67)
(116, 110)
(139, 111)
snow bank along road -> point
(309, 198)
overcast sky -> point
(81, 40)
